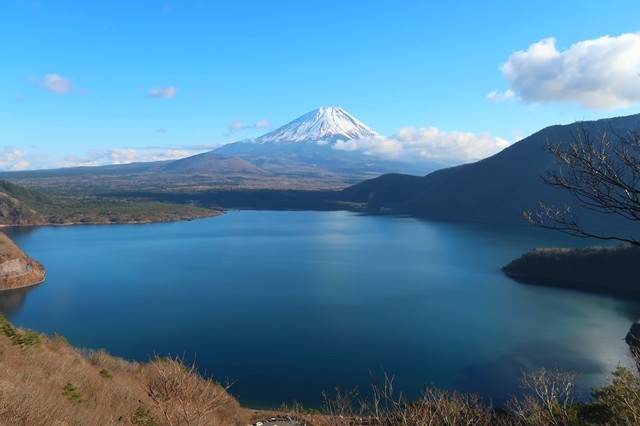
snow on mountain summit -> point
(327, 124)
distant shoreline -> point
(145, 222)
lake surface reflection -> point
(288, 304)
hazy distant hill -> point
(206, 162)
(299, 155)
(496, 189)
(210, 161)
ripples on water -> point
(288, 304)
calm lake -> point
(288, 304)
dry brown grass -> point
(105, 390)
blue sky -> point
(98, 82)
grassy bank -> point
(44, 380)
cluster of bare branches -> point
(548, 398)
(181, 394)
(385, 406)
(601, 171)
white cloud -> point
(13, 159)
(125, 156)
(163, 92)
(598, 73)
(121, 156)
(262, 124)
(55, 83)
(236, 126)
(495, 96)
(430, 144)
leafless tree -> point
(181, 394)
(386, 407)
(548, 397)
(601, 170)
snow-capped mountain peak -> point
(327, 124)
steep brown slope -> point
(44, 381)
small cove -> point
(288, 304)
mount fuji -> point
(307, 153)
(328, 124)
(309, 145)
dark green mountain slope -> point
(21, 206)
(496, 189)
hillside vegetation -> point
(497, 189)
(23, 206)
(611, 270)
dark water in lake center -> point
(288, 304)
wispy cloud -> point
(163, 92)
(236, 126)
(262, 124)
(495, 96)
(55, 83)
(430, 144)
(13, 159)
(124, 155)
(600, 73)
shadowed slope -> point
(496, 189)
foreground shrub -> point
(548, 399)
(27, 338)
(181, 394)
(386, 407)
(619, 402)
(71, 392)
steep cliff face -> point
(16, 268)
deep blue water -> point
(288, 304)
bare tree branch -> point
(601, 171)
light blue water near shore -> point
(288, 304)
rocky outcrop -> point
(633, 340)
(16, 268)
(633, 336)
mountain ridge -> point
(496, 189)
(309, 142)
